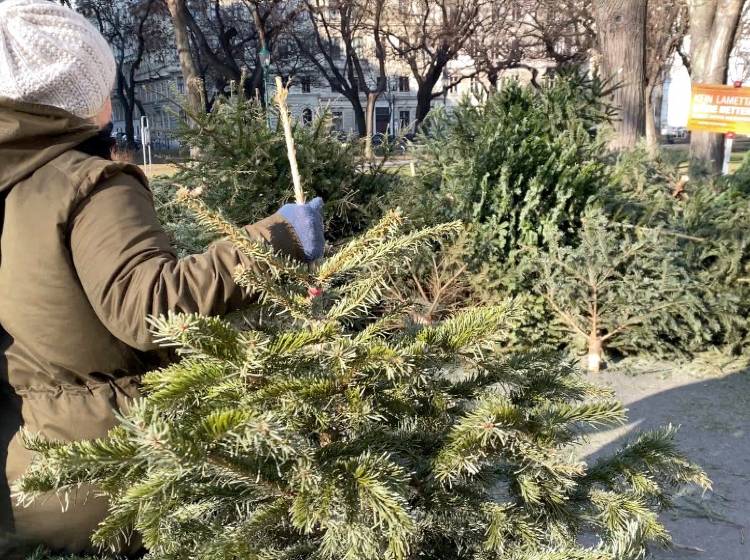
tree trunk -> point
(258, 82)
(424, 103)
(657, 98)
(126, 96)
(713, 26)
(652, 133)
(621, 28)
(594, 356)
(360, 119)
(493, 77)
(187, 64)
(370, 124)
(129, 111)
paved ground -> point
(713, 409)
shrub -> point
(518, 170)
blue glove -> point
(307, 221)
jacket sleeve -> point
(130, 271)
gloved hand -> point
(307, 221)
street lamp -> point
(265, 63)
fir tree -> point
(325, 426)
(620, 286)
(518, 169)
(328, 427)
(245, 175)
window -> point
(382, 119)
(404, 119)
(306, 84)
(357, 45)
(403, 83)
(283, 49)
(307, 117)
(118, 114)
(337, 121)
(334, 48)
(160, 90)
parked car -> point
(674, 134)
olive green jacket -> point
(83, 263)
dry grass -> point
(165, 169)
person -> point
(84, 261)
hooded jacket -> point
(83, 263)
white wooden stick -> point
(286, 122)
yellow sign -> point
(723, 109)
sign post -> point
(146, 144)
(728, 142)
(721, 109)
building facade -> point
(395, 110)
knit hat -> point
(51, 55)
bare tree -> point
(227, 38)
(713, 27)
(666, 27)
(499, 44)
(343, 40)
(563, 30)
(520, 33)
(425, 35)
(190, 72)
(620, 29)
(740, 56)
(136, 33)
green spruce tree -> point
(325, 426)
(620, 287)
(244, 170)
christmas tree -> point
(325, 424)
(621, 287)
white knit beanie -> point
(51, 55)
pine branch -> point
(384, 255)
(652, 453)
(356, 299)
(271, 265)
(473, 328)
(194, 334)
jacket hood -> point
(33, 135)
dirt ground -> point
(712, 408)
